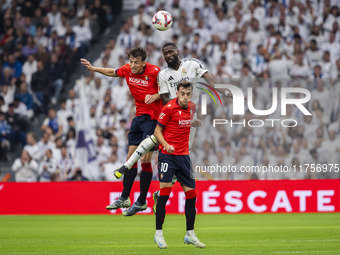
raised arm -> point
(106, 71)
(210, 80)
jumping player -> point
(141, 78)
(177, 70)
(187, 69)
(173, 132)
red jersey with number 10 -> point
(141, 85)
(176, 122)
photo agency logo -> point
(204, 97)
(280, 99)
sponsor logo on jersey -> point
(138, 81)
(184, 123)
(170, 78)
(174, 84)
(180, 112)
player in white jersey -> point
(190, 69)
(187, 69)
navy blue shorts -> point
(141, 127)
(179, 165)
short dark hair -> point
(138, 52)
(185, 85)
(169, 44)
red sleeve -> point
(192, 110)
(164, 116)
(121, 71)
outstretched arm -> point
(210, 80)
(106, 71)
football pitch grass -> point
(222, 234)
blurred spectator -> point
(25, 168)
(126, 39)
(99, 14)
(107, 166)
(53, 122)
(14, 65)
(29, 68)
(47, 167)
(3, 106)
(72, 103)
(54, 16)
(32, 147)
(299, 68)
(64, 165)
(83, 35)
(18, 125)
(30, 48)
(40, 85)
(26, 98)
(7, 76)
(21, 109)
(78, 176)
(30, 28)
(55, 71)
(45, 143)
(71, 141)
(5, 131)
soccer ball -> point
(162, 20)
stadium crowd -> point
(258, 44)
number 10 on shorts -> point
(164, 167)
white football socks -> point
(146, 145)
(159, 232)
(190, 232)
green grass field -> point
(223, 234)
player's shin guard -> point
(145, 180)
(190, 210)
(128, 180)
(164, 194)
(146, 145)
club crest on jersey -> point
(184, 71)
(146, 77)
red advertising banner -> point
(213, 197)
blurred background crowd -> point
(258, 44)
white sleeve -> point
(46, 121)
(162, 84)
(16, 165)
(200, 68)
(34, 166)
